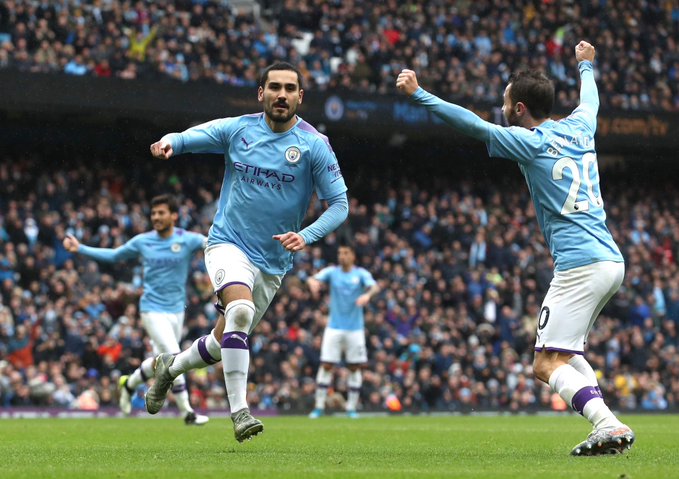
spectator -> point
(465, 53)
(442, 334)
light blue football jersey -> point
(560, 166)
(166, 263)
(268, 182)
(345, 288)
(559, 163)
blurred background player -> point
(351, 288)
(559, 163)
(274, 162)
(166, 254)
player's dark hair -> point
(533, 89)
(279, 66)
(166, 199)
(346, 244)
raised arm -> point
(589, 95)
(460, 118)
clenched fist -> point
(407, 82)
(161, 149)
(584, 51)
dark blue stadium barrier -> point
(168, 105)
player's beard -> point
(512, 118)
(162, 228)
(280, 117)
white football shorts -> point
(338, 341)
(573, 302)
(164, 329)
(228, 265)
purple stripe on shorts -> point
(235, 340)
(224, 286)
(355, 390)
(558, 350)
(582, 397)
(323, 386)
(179, 389)
(204, 354)
(220, 309)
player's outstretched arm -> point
(463, 120)
(110, 255)
(209, 137)
(589, 95)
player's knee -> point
(239, 315)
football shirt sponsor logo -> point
(263, 173)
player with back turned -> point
(559, 163)
(274, 162)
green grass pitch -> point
(296, 447)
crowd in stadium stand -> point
(463, 50)
(461, 263)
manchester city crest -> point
(293, 155)
(219, 277)
(176, 247)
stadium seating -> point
(461, 263)
(462, 50)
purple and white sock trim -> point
(204, 353)
(235, 340)
(179, 388)
(583, 396)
